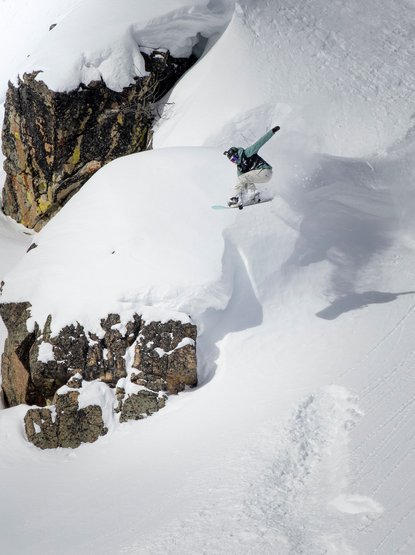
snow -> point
(98, 393)
(109, 37)
(22, 27)
(45, 352)
(338, 74)
(92, 393)
(299, 438)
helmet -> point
(233, 154)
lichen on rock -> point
(168, 351)
(64, 424)
(138, 405)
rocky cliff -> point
(54, 141)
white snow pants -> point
(246, 181)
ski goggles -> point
(233, 156)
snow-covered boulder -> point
(81, 411)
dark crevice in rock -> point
(23, 354)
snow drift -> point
(153, 242)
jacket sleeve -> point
(253, 149)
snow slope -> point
(299, 438)
(261, 355)
(339, 73)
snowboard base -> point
(245, 204)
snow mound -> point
(140, 236)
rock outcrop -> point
(54, 141)
(35, 364)
(64, 424)
(17, 384)
(166, 352)
(135, 406)
(136, 364)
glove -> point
(276, 128)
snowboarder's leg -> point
(258, 176)
(238, 191)
(245, 188)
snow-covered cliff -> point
(299, 438)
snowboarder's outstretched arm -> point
(253, 149)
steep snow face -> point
(339, 73)
(109, 37)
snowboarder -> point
(251, 169)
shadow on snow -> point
(354, 301)
(242, 312)
(346, 218)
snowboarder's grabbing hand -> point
(251, 169)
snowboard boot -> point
(233, 201)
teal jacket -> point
(249, 159)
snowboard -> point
(245, 204)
